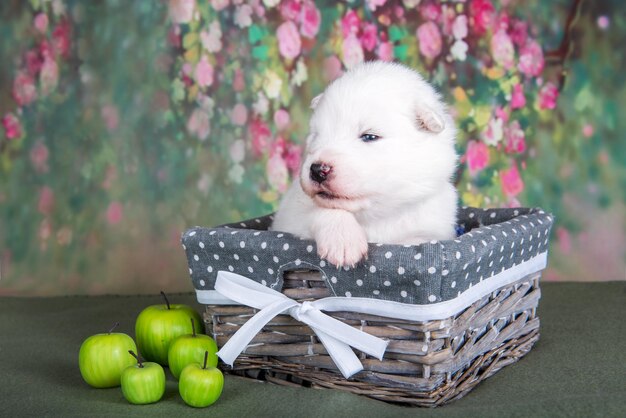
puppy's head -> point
(380, 137)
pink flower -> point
(501, 113)
(502, 49)
(199, 124)
(511, 182)
(49, 76)
(33, 62)
(281, 119)
(429, 39)
(448, 16)
(212, 40)
(292, 157)
(243, 15)
(373, 4)
(24, 90)
(519, 32)
(45, 230)
(239, 82)
(181, 11)
(548, 96)
(311, 20)
(588, 130)
(289, 43)
(41, 22)
(260, 133)
(385, 51)
(204, 72)
(350, 24)
(115, 212)
(239, 114)
(368, 37)
(277, 173)
(352, 51)
(332, 68)
(564, 240)
(431, 11)
(494, 131)
(501, 22)
(39, 157)
(481, 16)
(219, 4)
(61, 38)
(477, 155)
(518, 100)
(531, 59)
(12, 126)
(603, 22)
(46, 200)
(459, 27)
(290, 9)
(111, 117)
(514, 138)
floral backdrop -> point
(123, 123)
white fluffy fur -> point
(395, 190)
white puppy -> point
(378, 166)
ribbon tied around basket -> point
(336, 336)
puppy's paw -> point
(341, 240)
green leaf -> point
(260, 52)
(400, 51)
(395, 33)
(255, 34)
(178, 90)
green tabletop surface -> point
(578, 367)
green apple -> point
(199, 385)
(158, 325)
(103, 357)
(143, 383)
(190, 348)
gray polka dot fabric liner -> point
(494, 241)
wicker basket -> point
(427, 362)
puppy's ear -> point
(316, 101)
(429, 120)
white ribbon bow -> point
(336, 336)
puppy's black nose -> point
(319, 172)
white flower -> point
(300, 75)
(409, 4)
(271, 3)
(459, 50)
(237, 151)
(494, 132)
(207, 103)
(243, 16)
(212, 40)
(204, 183)
(235, 174)
(261, 106)
(459, 27)
(352, 51)
(272, 84)
(181, 11)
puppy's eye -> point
(369, 137)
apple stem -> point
(167, 302)
(206, 356)
(132, 353)
(114, 326)
(193, 328)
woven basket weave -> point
(426, 363)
